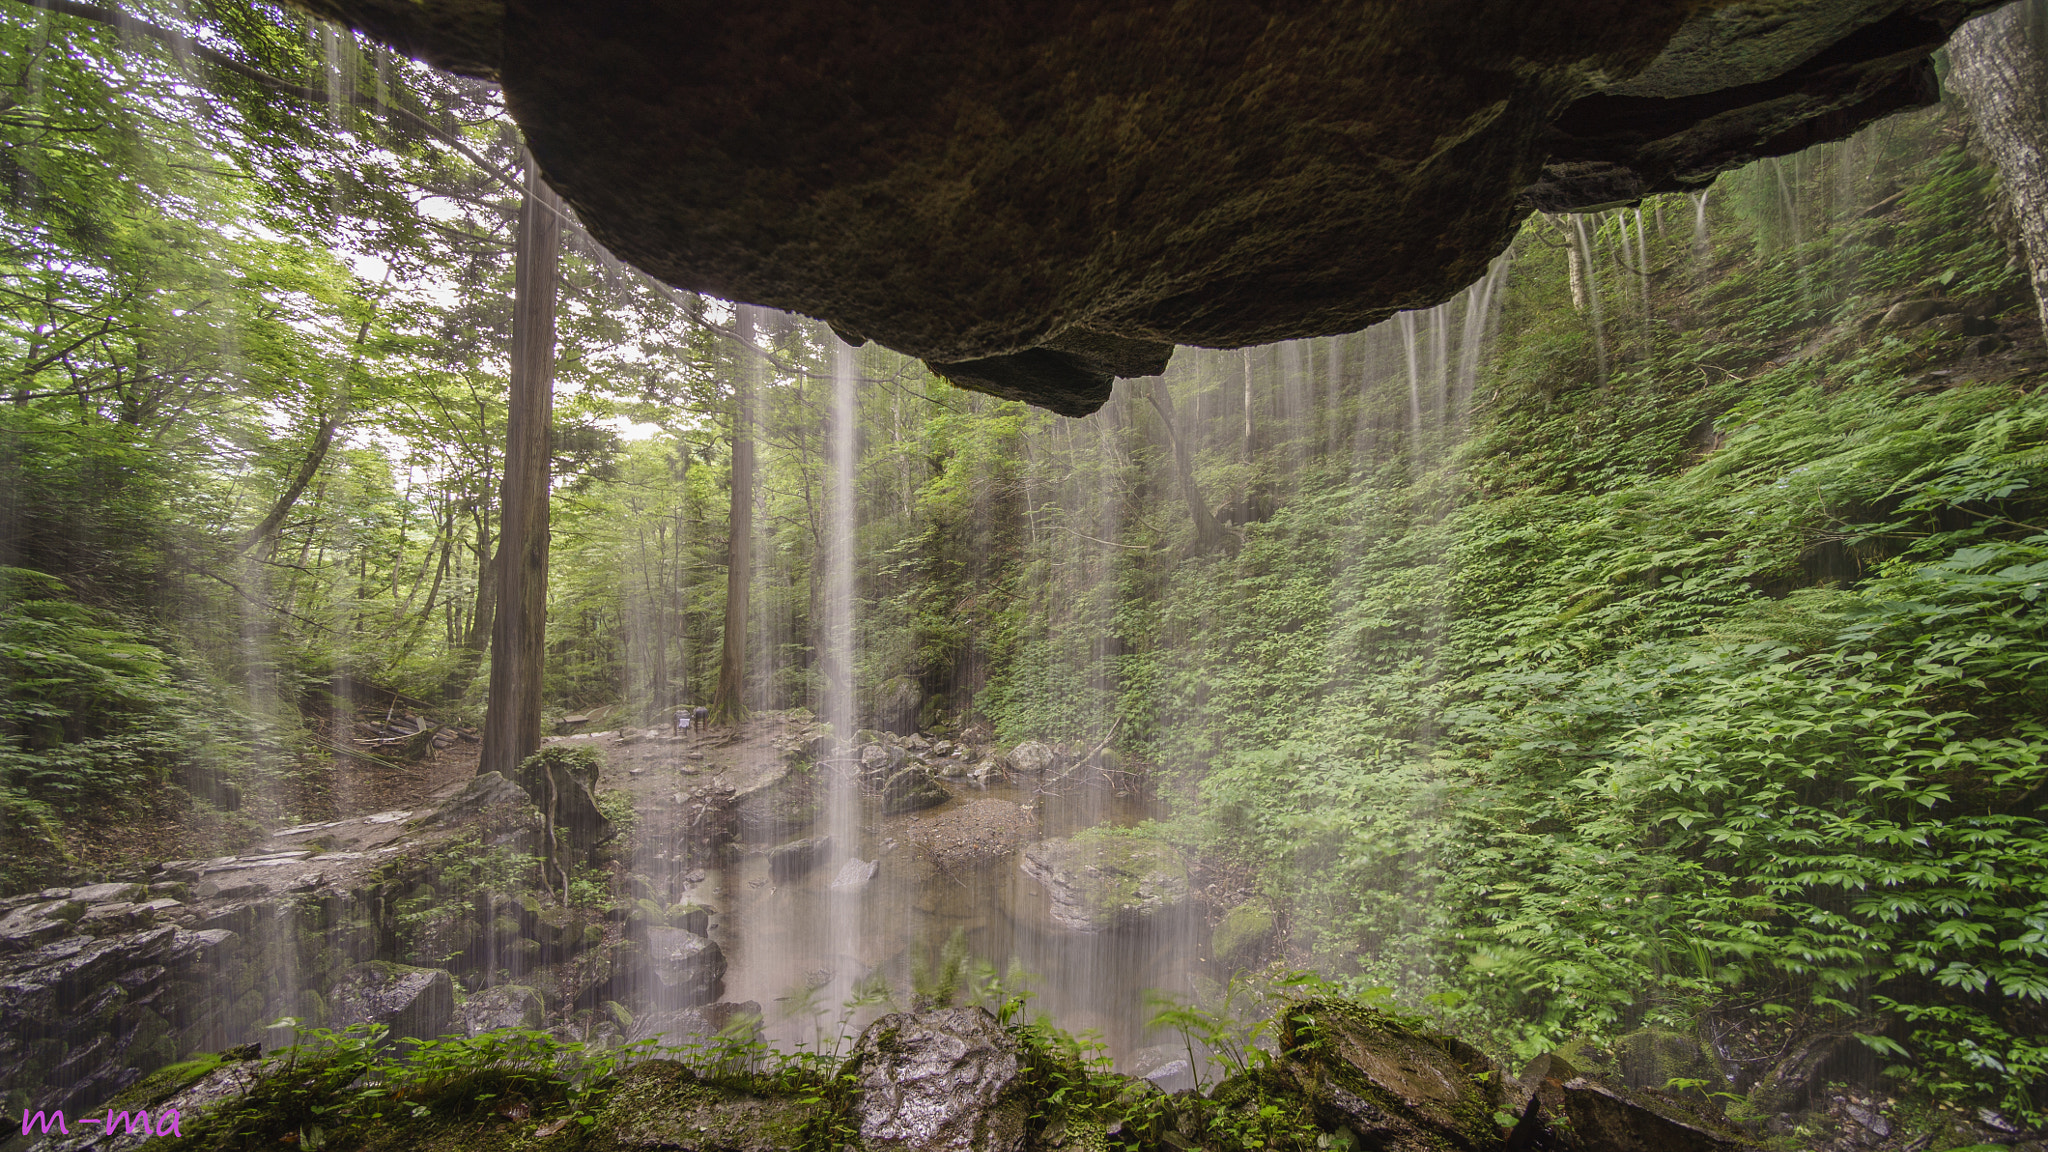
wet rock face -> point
(412, 1002)
(949, 1081)
(1039, 198)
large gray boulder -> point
(688, 968)
(415, 1003)
(950, 1081)
(1033, 758)
(1107, 879)
(505, 1006)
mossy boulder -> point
(1654, 1057)
(505, 1006)
(1244, 934)
(912, 790)
(1107, 879)
(1397, 1086)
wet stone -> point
(948, 1081)
(1401, 1089)
(792, 861)
(911, 790)
(689, 967)
(855, 874)
(504, 1006)
(106, 893)
(412, 1002)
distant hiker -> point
(682, 721)
(702, 716)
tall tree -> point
(519, 633)
(2000, 70)
(728, 704)
(1209, 534)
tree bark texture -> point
(2000, 68)
(519, 633)
(728, 703)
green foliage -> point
(940, 986)
(91, 707)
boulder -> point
(1107, 879)
(504, 1006)
(442, 939)
(854, 874)
(690, 915)
(794, 860)
(912, 789)
(1568, 1112)
(1907, 313)
(774, 804)
(1243, 936)
(413, 1002)
(947, 1081)
(1164, 1066)
(683, 1026)
(878, 761)
(1033, 758)
(689, 968)
(1654, 1057)
(1399, 1088)
(661, 1104)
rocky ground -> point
(428, 919)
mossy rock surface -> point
(1105, 879)
(1401, 1088)
(662, 1104)
(1245, 932)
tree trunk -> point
(519, 634)
(1209, 535)
(475, 638)
(2000, 71)
(728, 703)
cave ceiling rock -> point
(1039, 196)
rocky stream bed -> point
(430, 923)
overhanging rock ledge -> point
(1039, 196)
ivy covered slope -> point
(1703, 677)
